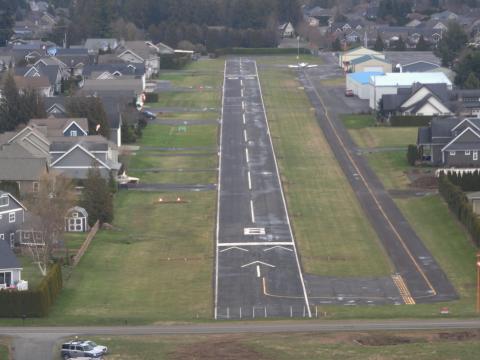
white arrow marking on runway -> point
(234, 247)
(258, 262)
(249, 181)
(258, 271)
(252, 212)
(278, 247)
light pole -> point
(298, 48)
(478, 282)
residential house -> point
(94, 46)
(55, 106)
(56, 127)
(115, 71)
(40, 84)
(347, 56)
(10, 267)
(51, 72)
(76, 220)
(468, 102)
(74, 59)
(134, 86)
(318, 16)
(369, 63)
(419, 66)
(390, 83)
(286, 30)
(12, 216)
(451, 142)
(419, 100)
(142, 52)
(444, 16)
(164, 49)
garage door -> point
(373, 69)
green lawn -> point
(180, 136)
(204, 115)
(286, 59)
(391, 167)
(334, 82)
(383, 136)
(358, 121)
(341, 346)
(198, 80)
(195, 100)
(334, 236)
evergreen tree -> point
(92, 109)
(379, 45)
(7, 12)
(422, 44)
(336, 45)
(97, 198)
(10, 105)
(452, 43)
(472, 82)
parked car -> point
(349, 93)
(80, 348)
(149, 115)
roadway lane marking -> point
(243, 115)
(252, 212)
(263, 243)
(258, 263)
(249, 181)
(258, 271)
(246, 155)
(232, 248)
(374, 197)
(245, 135)
(277, 247)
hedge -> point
(468, 182)
(260, 51)
(409, 120)
(458, 203)
(412, 154)
(32, 303)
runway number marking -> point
(254, 231)
(249, 181)
(252, 212)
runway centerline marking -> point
(243, 115)
(258, 271)
(246, 155)
(245, 135)
(252, 212)
(249, 181)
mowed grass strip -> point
(155, 266)
(384, 137)
(334, 236)
(341, 346)
(182, 136)
(391, 167)
(195, 100)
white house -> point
(380, 85)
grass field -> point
(331, 346)
(180, 136)
(391, 167)
(197, 99)
(194, 79)
(338, 81)
(285, 59)
(333, 234)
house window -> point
(2, 237)
(6, 278)
(73, 132)
(452, 153)
(4, 201)
(75, 224)
(36, 186)
(475, 155)
(467, 152)
(11, 217)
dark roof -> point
(419, 66)
(392, 102)
(442, 127)
(50, 71)
(8, 260)
(90, 143)
(123, 68)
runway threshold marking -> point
(403, 290)
(397, 234)
(258, 243)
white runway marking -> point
(246, 155)
(244, 121)
(243, 105)
(241, 82)
(254, 231)
(252, 212)
(277, 247)
(263, 243)
(249, 181)
(241, 92)
(258, 271)
(245, 135)
(258, 262)
(234, 247)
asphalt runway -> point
(257, 272)
(419, 278)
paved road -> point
(257, 270)
(40, 341)
(420, 278)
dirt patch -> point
(460, 335)
(425, 182)
(226, 350)
(384, 340)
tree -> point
(467, 65)
(9, 105)
(7, 12)
(472, 82)
(50, 204)
(336, 45)
(451, 44)
(92, 109)
(379, 45)
(422, 44)
(97, 198)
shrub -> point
(468, 182)
(412, 154)
(410, 120)
(36, 302)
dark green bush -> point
(412, 154)
(409, 120)
(468, 182)
(33, 303)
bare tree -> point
(50, 204)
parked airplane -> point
(302, 65)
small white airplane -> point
(302, 65)
(125, 179)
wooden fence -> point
(86, 243)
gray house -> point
(451, 142)
(12, 216)
(10, 268)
